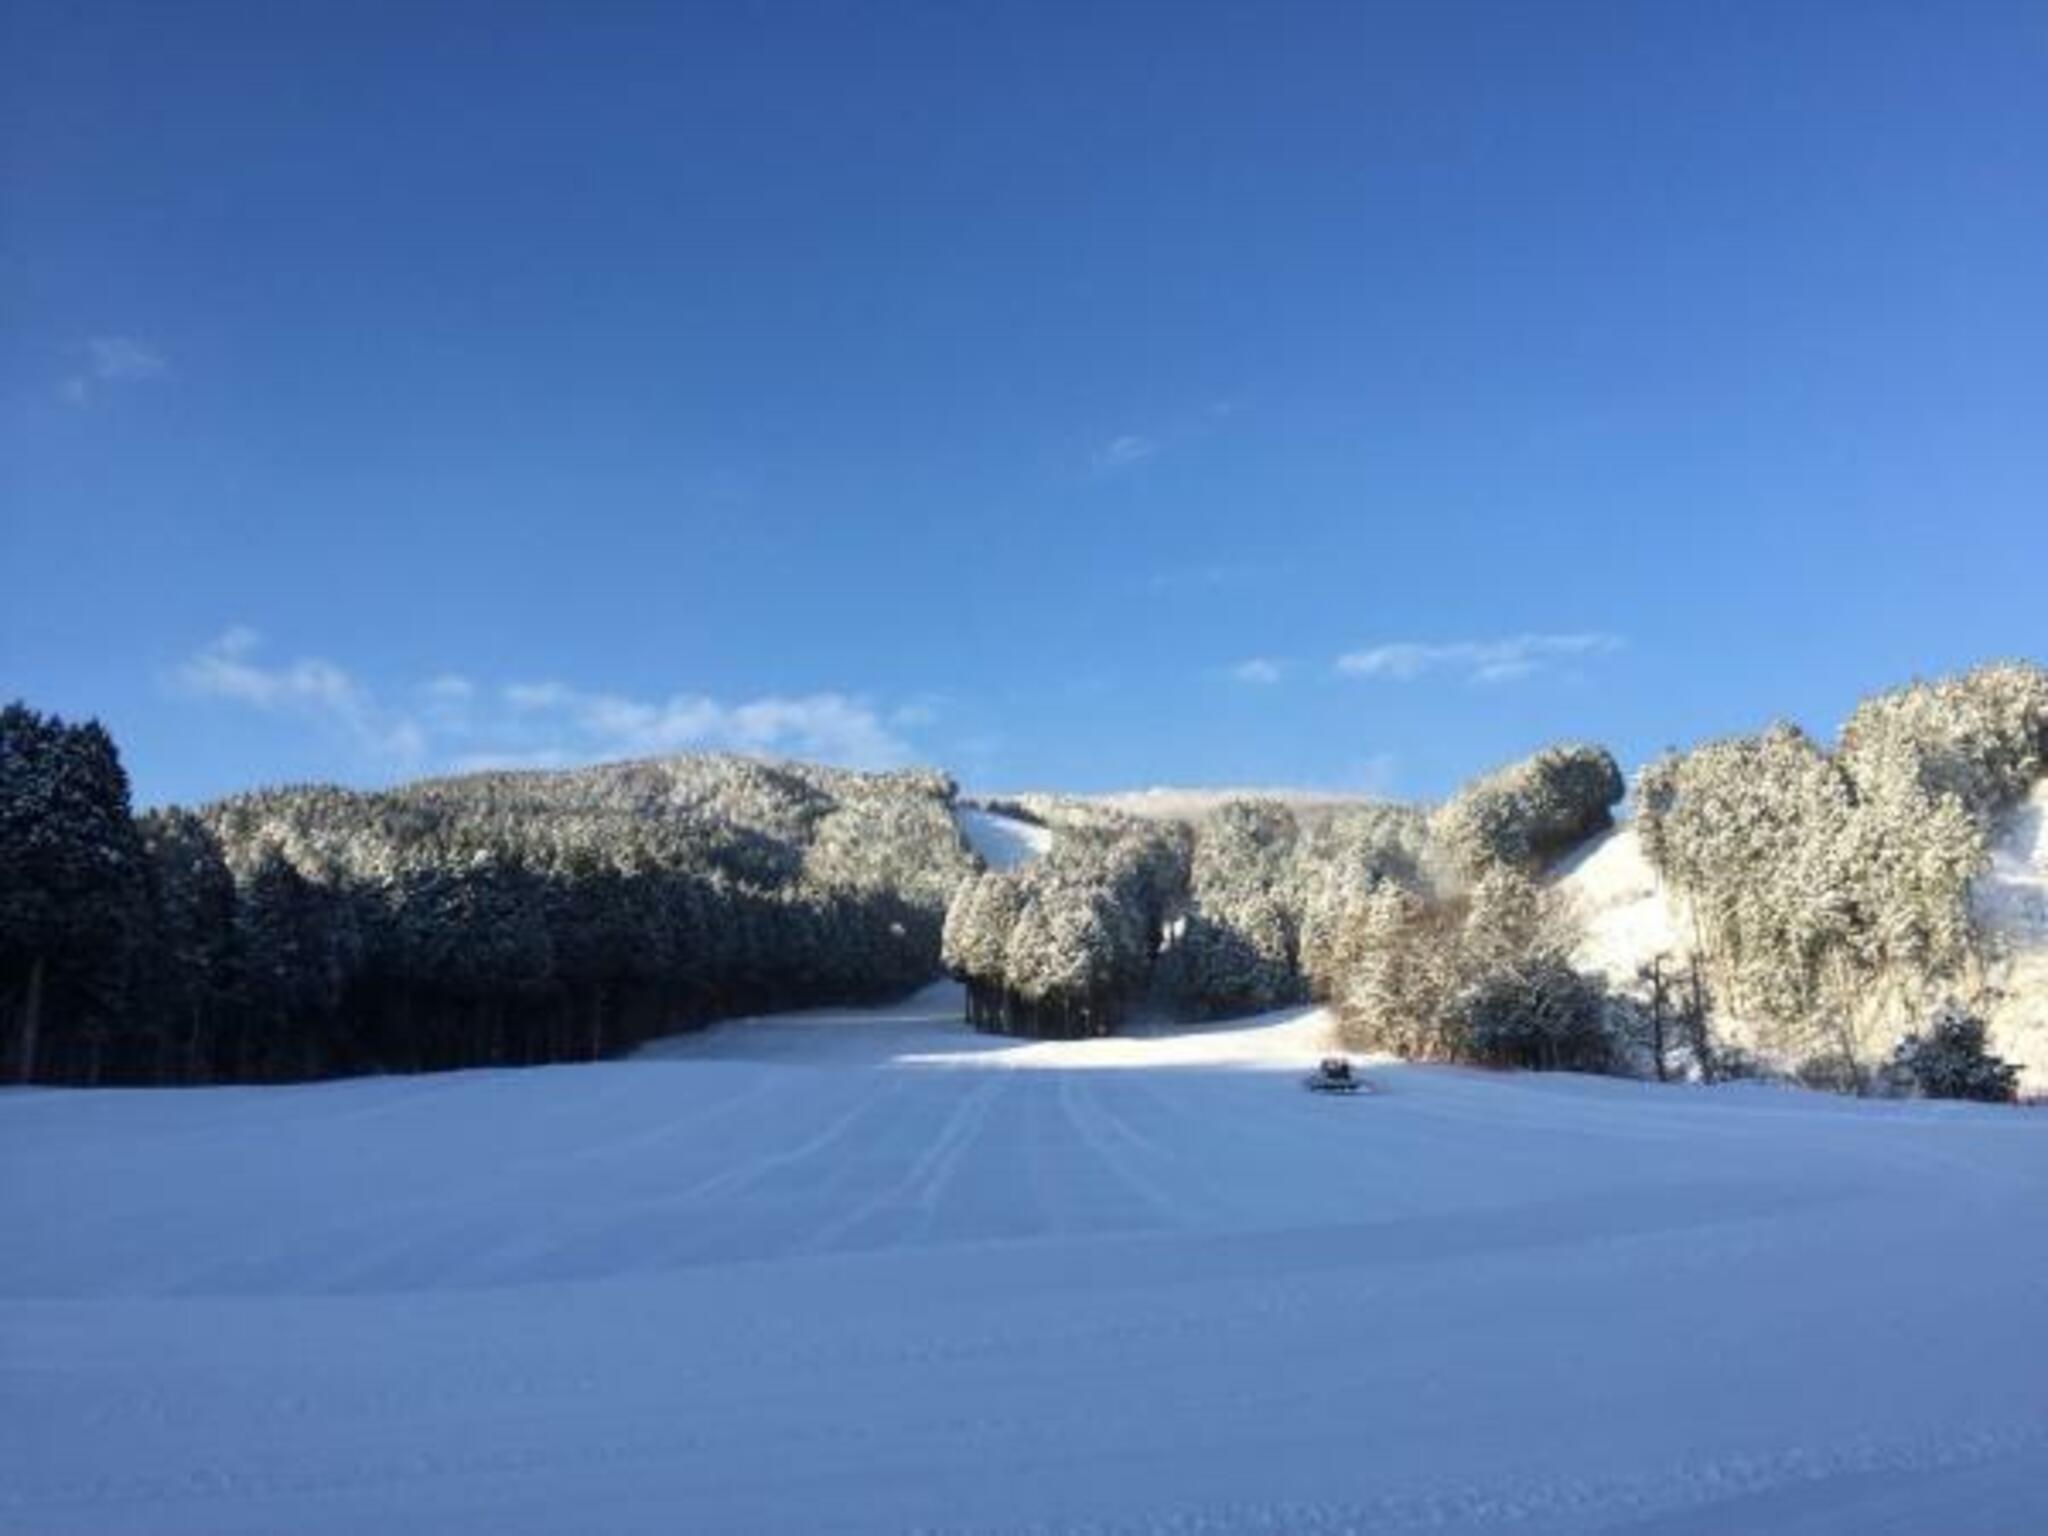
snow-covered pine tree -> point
(1237, 945)
(1949, 1060)
(1529, 812)
(1481, 975)
(1340, 857)
(1831, 890)
(1399, 991)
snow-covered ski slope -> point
(1003, 842)
(1630, 916)
(860, 1273)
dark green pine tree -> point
(72, 900)
(297, 940)
(190, 973)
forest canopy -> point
(1831, 889)
(494, 918)
(506, 918)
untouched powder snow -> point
(860, 1272)
(1628, 915)
(1002, 841)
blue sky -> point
(1081, 396)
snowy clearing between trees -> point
(1003, 842)
(851, 1272)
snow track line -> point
(1120, 1126)
(1097, 1129)
(928, 1176)
(640, 1141)
(878, 1092)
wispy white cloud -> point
(1261, 671)
(228, 668)
(124, 358)
(453, 721)
(831, 727)
(534, 696)
(1122, 452)
(112, 360)
(1505, 660)
(1173, 432)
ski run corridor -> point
(868, 1272)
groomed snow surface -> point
(863, 1273)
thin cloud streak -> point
(113, 360)
(1122, 452)
(313, 689)
(1508, 659)
(830, 727)
(457, 723)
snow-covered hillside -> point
(853, 1273)
(1630, 917)
(1004, 842)
(2011, 903)
(1184, 803)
